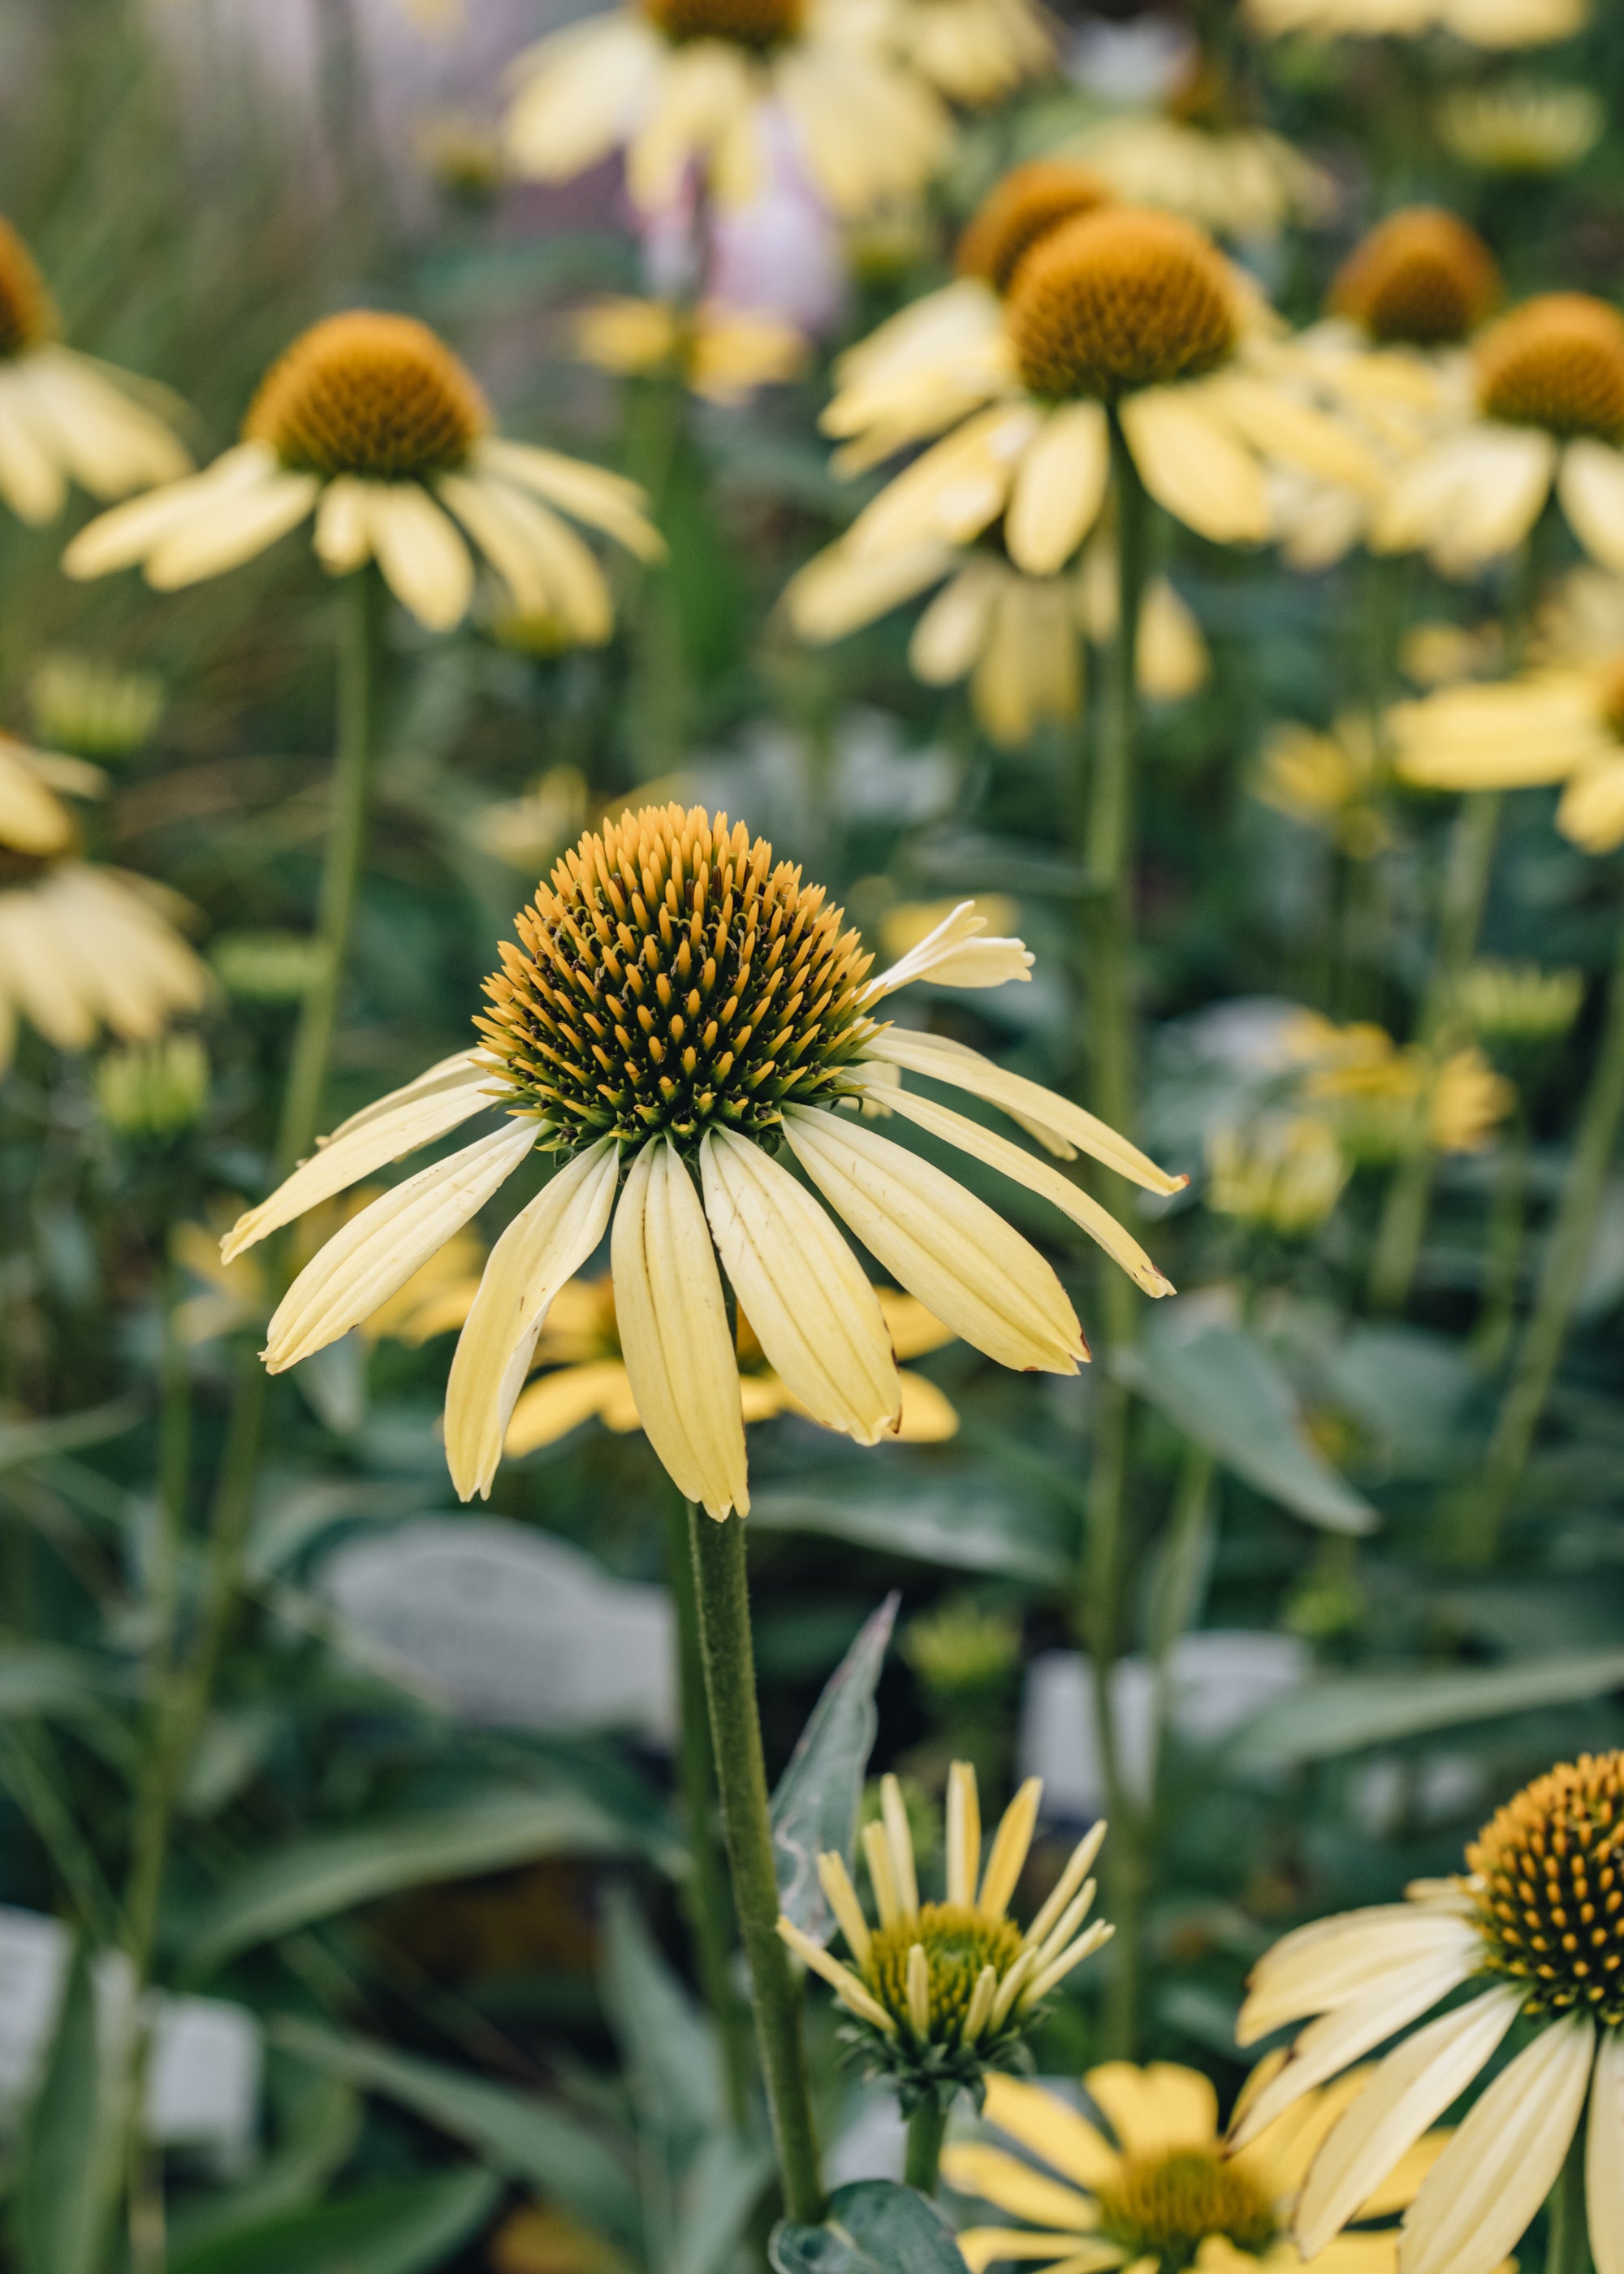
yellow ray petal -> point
(1059, 488)
(1155, 2110)
(1053, 2129)
(550, 1408)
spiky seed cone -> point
(1116, 301)
(958, 1942)
(1421, 278)
(1017, 211)
(1557, 362)
(1163, 2206)
(371, 394)
(671, 978)
(759, 24)
(1552, 1903)
(28, 312)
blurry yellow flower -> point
(1518, 1002)
(1284, 1171)
(64, 417)
(1483, 23)
(89, 706)
(581, 1346)
(82, 947)
(371, 424)
(681, 83)
(1330, 781)
(528, 831)
(1558, 726)
(153, 1089)
(972, 51)
(1241, 182)
(462, 154)
(961, 1649)
(721, 352)
(1383, 1099)
(1524, 127)
(1438, 654)
(1581, 620)
(1158, 2192)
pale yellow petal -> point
(1590, 810)
(952, 631)
(578, 94)
(1053, 2129)
(235, 525)
(955, 953)
(1332, 1960)
(1192, 465)
(343, 536)
(586, 492)
(424, 560)
(130, 532)
(547, 568)
(31, 481)
(1589, 482)
(950, 493)
(1155, 2111)
(840, 590)
(1004, 2181)
(551, 1408)
(1604, 2156)
(982, 2247)
(1059, 488)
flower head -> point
(1532, 1929)
(1421, 278)
(1556, 363)
(1023, 205)
(1525, 127)
(680, 1005)
(1483, 23)
(974, 51)
(1116, 301)
(940, 1992)
(1564, 725)
(722, 353)
(370, 422)
(28, 312)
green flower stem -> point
(926, 2127)
(1107, 858)
(1480, 1515)
(1465, 891)
(1567, 2249)
(722, 1595)
(706, 1896)
(1502, 1265)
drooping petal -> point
(1058, 489)
(673, 1331)
(378, 1251)
(1590, 485)
(950, 493)
(815, 1315)
(426, 1109)
(31, 480)
(981, 2247)
(119, 539)
(546, 1244)
(234, 526)
(578, 93)
(962, 1261)
(545, 565)
(1332, 1960)
(951, 633)
(1192, 463)
(422, 558)
(954, 954)
(1604, 2156)
(343, 536)
(840, 589)
(590, 493)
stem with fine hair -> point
(722, 1595)
(1568, 2245)
(705, 1898)
(1480, 1515)
(1108, 861)
(926, 2127)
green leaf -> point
(814, 1808)
(404, 2227)
(22, 1441)
(727, 2183)
(1221, 1388)
(970, 1521)
(332, 1871)
(874, 2226)
(44, 1678)
(1375, 1709)
(519, 2136)
(668, 2047)
(61, 2193)
(318, 2140)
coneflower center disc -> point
(1165, 2207)
(1420, 279)
(1613, 698)
(1552, 1903)
(1025, 206)
(1557, 363)
(371, 394)
(672, 977)
(760, 24)
(1119, 300)
(958, 1942)
(28, 312)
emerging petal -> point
(955, 956)
(1604, 2158)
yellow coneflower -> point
(83, 948)
(719, 352)
(1383, 1099)
(680, 83)
(1239, 182)
(65, 417)
(1482, 22)
(1283, 1172)
(1328, 781)
(1532, 1928)
(940, 1993)
(1422, 278)
(370, 423)
(1156, 2193)
(1557, 726)
(677, 999)
(1527, 127)
(972, 51)
(230, 1296)
(1543, 408)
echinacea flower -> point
(84, 948)
(972, 51)
(370, 423)
(677, 999)
(1532, 1931)
(1384, 1100)
(1481, 22)
(1527, 127)
(940, 1993)
(722, 353)
(1542, 408)
(1235, 181)
(1563, 726)
(1421, 278)
(1284, 1173)
(1156, 2192)
(1331, 781)
(65, 417)
(230, 1296)
(697, 83)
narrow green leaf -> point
(970, 1521)
(45, 1678)
(318, 2140)
(22, 1441)
(61, 2197)
(668, 2047)
(814, 1808)
(874, 2226)
(727, 2183)
(404, 2227)
(1375, 1709)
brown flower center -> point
(958, 1942)
(1611, 704)
(369, 395)
(1557, 363)
(1420, 279)
(1119, 300)
(28, 312)
(672, 977)
(1551, 1902)
(1165, 2207)
(1025, 206)
(758, 24)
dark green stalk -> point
(722, 1594)
(1568, 2250)
(926, 2127)
(1491, 1337)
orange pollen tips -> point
(1165, 2207)
(369, 395)
(1558, 363)
(757, 24)
(1020, 210)
(1116, 301)
(28, 312)
(1420, 279)
(1550, 1905)
(672, 977)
